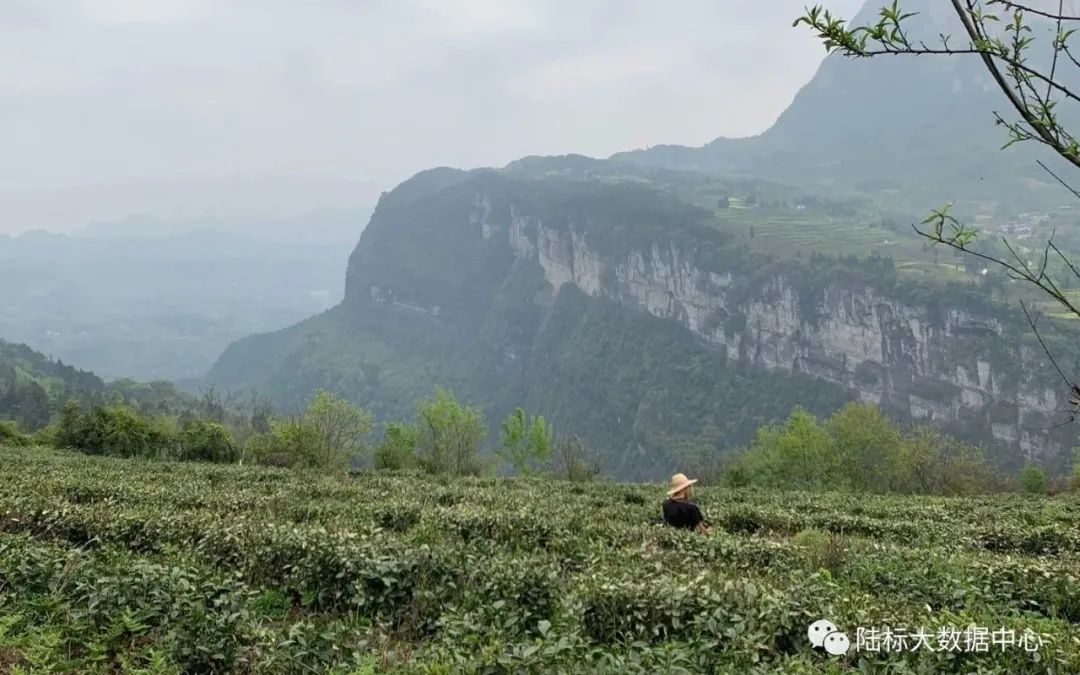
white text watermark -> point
(973, 639)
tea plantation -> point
(111, 565)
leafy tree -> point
(113, 430)
(797, 455)
(203, 441)
(1037, 87)
(398, 448)
(69, 420)
(450, 434)
(525, 443)
(341, 429)
(867, 443)
(860, 449)
(329, 434)
(930, 463)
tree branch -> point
(1060, 16)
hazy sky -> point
(109, 107)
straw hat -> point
(679, 482)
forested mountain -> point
(661, 331)
(34, 387)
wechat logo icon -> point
(824, 635)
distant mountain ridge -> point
(158, 307)
(318, 227)
(917, 131)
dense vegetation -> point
(860, 449)
(34, 387)
(125, 565)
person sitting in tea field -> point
(679, 511)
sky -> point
(262, 107)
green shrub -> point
(269, 449)
(329, 434)
(822, 550)
(10, 434)
(859, 449)
(136, 566)
(525, 442)
(45, 435)
(450, 435)
(398, 448)
(1033, 480)
(113, 430)
(614, 613)
(202, 441)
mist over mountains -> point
(911, 132)
(158, 307)
(662, 302)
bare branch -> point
(1033, 322)
(1057, 47)
(1060, 16)
(1059, 179)
(1023, 272)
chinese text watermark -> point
(973, 639)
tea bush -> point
(115, 565)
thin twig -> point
(1060, 16)
(1059, 179)
(1035, 328)
(1057, 47)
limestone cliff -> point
(955, 368)
(628, 317)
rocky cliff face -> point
(946, 365)
(629, 317)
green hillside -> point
(34, 387)
(129, 566)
